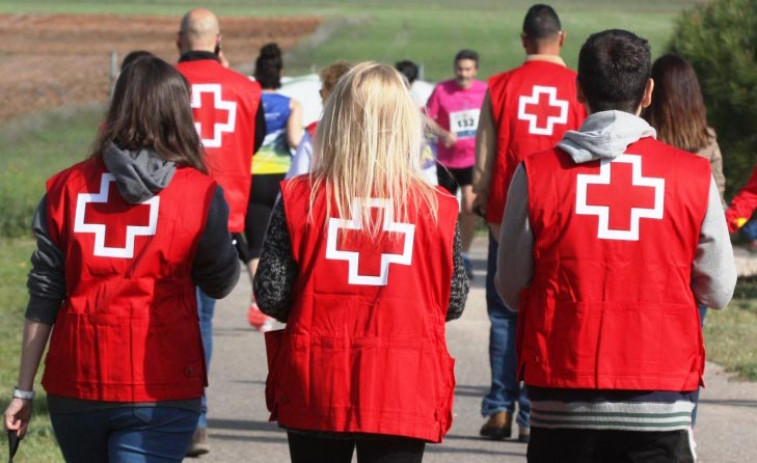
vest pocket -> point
(273, 341)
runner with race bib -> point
(453, 111)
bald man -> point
(231, 123)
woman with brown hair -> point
(123, 240)
(678, 113)
(679, 116)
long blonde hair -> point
(368, 145)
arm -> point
(716, 165)
(260, 128)
(486, 151)
(448, 138)
(19, 411)
(277, 271)
(215, 268)
(460, 284)
(432, 112)
(47, 289)
(515, 260)
(295, 130)
(713, 272)
(302, 157)
(47, 280)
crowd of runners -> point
(602, 195)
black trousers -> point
(308, 448)
(602, 446)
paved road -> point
(240, 431)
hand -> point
(479, 205)
(449, 139)
(17, 416)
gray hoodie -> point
(606, 135)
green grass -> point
(33, 149)
(731, 334)
(427, 31)
(40, 445)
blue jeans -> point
(125, 435)
(206, 307)
(505, 389)
(750, 230)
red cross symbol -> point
(546, 112)
(620, 197)
(369, 263)
(208, 106)
(115, 223)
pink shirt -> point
(457, 111)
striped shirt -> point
(610, 410)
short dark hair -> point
(467, 54)
(408, 69)
(614, 67)
(268, 67)
(151, 109)
(541, 22)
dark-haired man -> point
(231, 123)
(610, 240)
(527, 109)
(453, 111)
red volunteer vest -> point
(311, 128)
(533, 106)
(128, 329)
(364, 349)
(224, 103)
(610, 305)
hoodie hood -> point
(605, 135)
(140, 175)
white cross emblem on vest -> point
(100, 229)
(353, 257)
(533, 119)
(218, 104)
(640, 198)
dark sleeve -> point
(260, 128)
(277, 271)
(460, 284)
(47, 279)
(215, 268)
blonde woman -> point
(363, 262)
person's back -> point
(362, 261)
(225, 104)
(544, 92)
(613, 237)
(124, 239)
(526, 109)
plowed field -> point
(51, 60)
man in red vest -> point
(610, 240)
(231, 123)
(526, 109)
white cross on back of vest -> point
(640, 198)
(353, 257)
(82, 225)
(548, 128)
(219, 128)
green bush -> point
(720, 40)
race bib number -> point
(464, 123)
